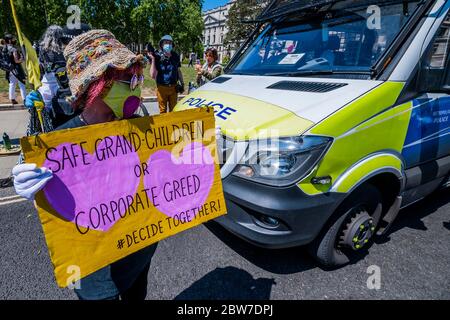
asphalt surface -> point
(209, 263)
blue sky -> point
(209, 4)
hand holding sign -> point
(29, 179)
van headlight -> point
(282, 161)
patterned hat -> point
(90, 54)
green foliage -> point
(131, 21)
(181, 19)
(226, 60)
(242, 10)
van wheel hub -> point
(358, 231)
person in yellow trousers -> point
(165, 69)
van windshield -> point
(342, 40)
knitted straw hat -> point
(90, 54)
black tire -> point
(324, 249)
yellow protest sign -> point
(120, 186)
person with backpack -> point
(55, 90)
(55, 84)
(211, 69)
(16, 74)
(166, 70)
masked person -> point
(211, 69)
(16, 75)
(165, 69)
(105, 80)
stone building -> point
(216, 29)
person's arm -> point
(199, 78)
(153, 70)
(17, 57)
(180, 76)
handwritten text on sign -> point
(120, 186)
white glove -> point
(29, 179)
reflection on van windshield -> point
(334, 41)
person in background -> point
(105, 80)
(51, 59)
(192, 58)
(211, 69)
(166, 70)
(17, 75)
(55, 90)
(5, 61)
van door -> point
(428, 137)
(426, 149)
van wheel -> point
(350, 229)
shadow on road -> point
(412, 216)
(228, 283)
(281, 261)
(293, 260)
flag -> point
(31, 59)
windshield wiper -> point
(243, 73)
(315, 72)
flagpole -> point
(32, 63)
(16, 22)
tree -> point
(6, 21)
(131, 21)
(180, 18)
(242, 10)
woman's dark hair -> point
(213, 52)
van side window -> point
(437, 57)
(440, 49)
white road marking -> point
(11, 199)
(16, 196)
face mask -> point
(122, 100)
(167, 48)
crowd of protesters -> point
(165, 69)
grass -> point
(149, 89)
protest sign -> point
(120, 186)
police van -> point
(354, 95)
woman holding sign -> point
(105, 80)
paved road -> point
(208, 263)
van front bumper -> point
(300, 217)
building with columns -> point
(216, 29)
